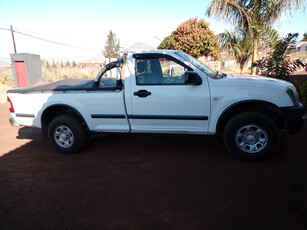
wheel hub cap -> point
(63, 136)
(251, 138)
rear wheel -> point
(66, 134)
(251, 136)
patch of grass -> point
(54, 74)
(298, 55)
(5, 76)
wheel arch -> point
(263, 107)
(55, 110)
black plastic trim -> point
(67, 106)
(294, 117)
(168, 117)
(142, 93)
(269, 105)
(25, 115)
(110, 116)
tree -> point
(239, 43)
(193, 37)
(255, 15)
(53, 64)
(304, 37)
(62, 64)
(168, 42)
(74, 64)
(278, 64)
(111, 48)
(43, 62)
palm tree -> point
(253, 15)
(239, 43)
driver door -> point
(161, 99)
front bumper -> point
(294, 117)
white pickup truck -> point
(162, 91)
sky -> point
(86, 24)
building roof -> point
(299, 44)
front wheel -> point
(251, 136)
(66, 134)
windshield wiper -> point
(223, 75)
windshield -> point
(198, 64)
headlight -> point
(293, 96)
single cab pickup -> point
(162, 91)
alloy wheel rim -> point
(63, 136)
(251, 138)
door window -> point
(159, 71)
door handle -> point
(142, 93)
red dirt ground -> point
(148, 182)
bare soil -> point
(3, 90)
(148, 182)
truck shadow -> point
(29, 133)
(151, 181)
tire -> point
(66, 134)
(251, 136)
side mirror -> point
(192, 78)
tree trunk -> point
(241, 68)
(254, 58)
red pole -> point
(13, 39)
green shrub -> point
(5, 76)
(278, 64)
(302, 91)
